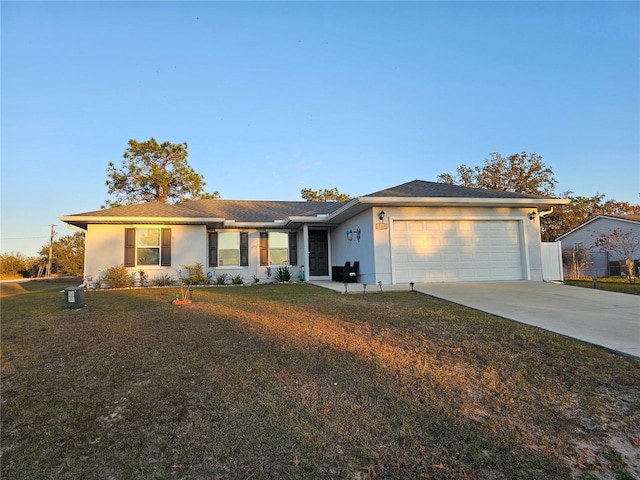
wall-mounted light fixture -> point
(349, 234)
(532, 215)
(381, 216)
(358, 233)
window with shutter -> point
(129, 247)
(293, 248)
(165, 248)
(244, 249)
(213, 249)
(264, 248)
(147, 247)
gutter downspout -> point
(544, 213)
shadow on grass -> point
(296, 382)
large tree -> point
(325, 195)
(520, 172)
(67, 254)
(565, 218)
(154, 171)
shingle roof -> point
(255, 211)
(262, 211)
(421, 188)
(239, 210)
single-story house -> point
(415, 232)
(582, 238)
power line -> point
(19, 238)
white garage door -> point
(456, 250)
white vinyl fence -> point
(552, 261)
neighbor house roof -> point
(215, 212)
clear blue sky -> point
(273, 97)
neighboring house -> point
(415, 232)
(583, 237)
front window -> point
(148, 246)
(278, 248)
(228, 249)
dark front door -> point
(318, 253)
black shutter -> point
(264, 248)
(165, 248)
(213, 249)
(293, 248)
(244, 249)
(129, 247)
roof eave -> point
(83, 220)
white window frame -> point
(140, 235)
(227, 237)
(280, 247)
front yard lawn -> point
(293, 381)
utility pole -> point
(53, 232)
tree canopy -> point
(325, 195)
(154, 171)
(520, 172)
(527, 173)
(565, 218)
(68, 254)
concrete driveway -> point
(609, 319)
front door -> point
(318, 253)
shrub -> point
(237, 280)
(164, 280)
(283, 274)
(118, 277)
(195, 275)
(221, 279)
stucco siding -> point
(345, 250)
(105, 248)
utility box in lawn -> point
(74, 297)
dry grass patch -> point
(292, 381)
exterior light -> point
(532, 215)
(381, 216)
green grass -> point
(293, 381)
(621, 285)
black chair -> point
(350, 274)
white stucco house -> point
(415, 232)
(583, 237)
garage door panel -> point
(456, 250)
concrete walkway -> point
(608, 319)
